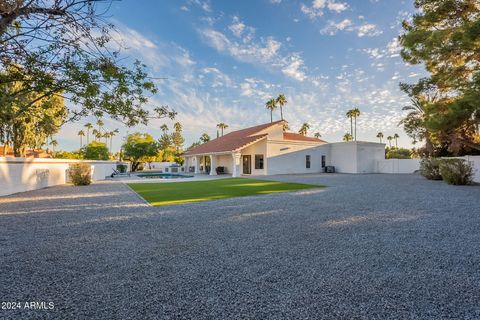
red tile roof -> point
(299, 137)
(232, 141)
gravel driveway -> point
(366, 247)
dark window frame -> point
(308, 160)
(259, 162)
(324, 161)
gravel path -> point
(366, 247)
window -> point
(323, 161)
(259, 161)
(307, 161)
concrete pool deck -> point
(366, 247)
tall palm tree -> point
(112, 134)
(106, 135)
(89, 126)
(96, 134)
(100, 125)
(347, 137)
(53, 143)
(81, 134)
(286, 126)
(317, 135)
(396, 136)
(390, 138)
(380, 136)
(281, 101)
(271, 105)
(356, 114)
(177, 126)
(304, 129)
(349, 114)
(222, 126)
(205, 137)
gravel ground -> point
(366, 247)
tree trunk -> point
(281, 112)
(271, 116)
(351, 126)
(355, 128)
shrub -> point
(429, 168)
(456, 171)
(122, 168)
(80, 174)
(398, 153)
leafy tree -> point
(204, 138)
(222, 126)
(347, 137)
(140, 148)
(304, 129)
(61, 48)
(177, 138)
(281, 101)
(25, 124)
(445, 37)
(398, 153)
(69, 155)
(95, 151)
(380, 136)
(271, 105)
(317, 135)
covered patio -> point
(208, 163)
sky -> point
(222, 60)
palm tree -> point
(89, 126)
(281, 101)
(222, 126)
(271, 105)
(81, 134)
(347, 137)
(164, 128)
(100, 125)
(390, 138)
(380, 136)
(53, 143)
(205, 137)
(303, 130)
(177, 126)
(106, 135)
(285, 126)
(112, 134)
(356, 114)
(317, 135)
(396, 136)
(96, 134)
(349, 114)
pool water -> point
(163, 176)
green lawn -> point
(159, 194)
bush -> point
(429, 168)
(80, 174)
(398, 153)
(122, 168)
(456, 171)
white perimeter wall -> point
(411, 165)
(24, 174)
(356, 156)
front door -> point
(247, 164)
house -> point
(267, 149)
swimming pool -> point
(163, 176)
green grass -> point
(160, 194)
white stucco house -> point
(267, 149)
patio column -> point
(236, 162)
(196, 163)
(213, 165)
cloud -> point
(333, 27)
(317, 7)
(369, 30)
(294, 68)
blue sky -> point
(224, 59)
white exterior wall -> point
(257, 148)
(356, 156)
(398, 165)
(24, 174)
(290, 157)
(225, 160)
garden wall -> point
(24, 174)
(411, 165)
